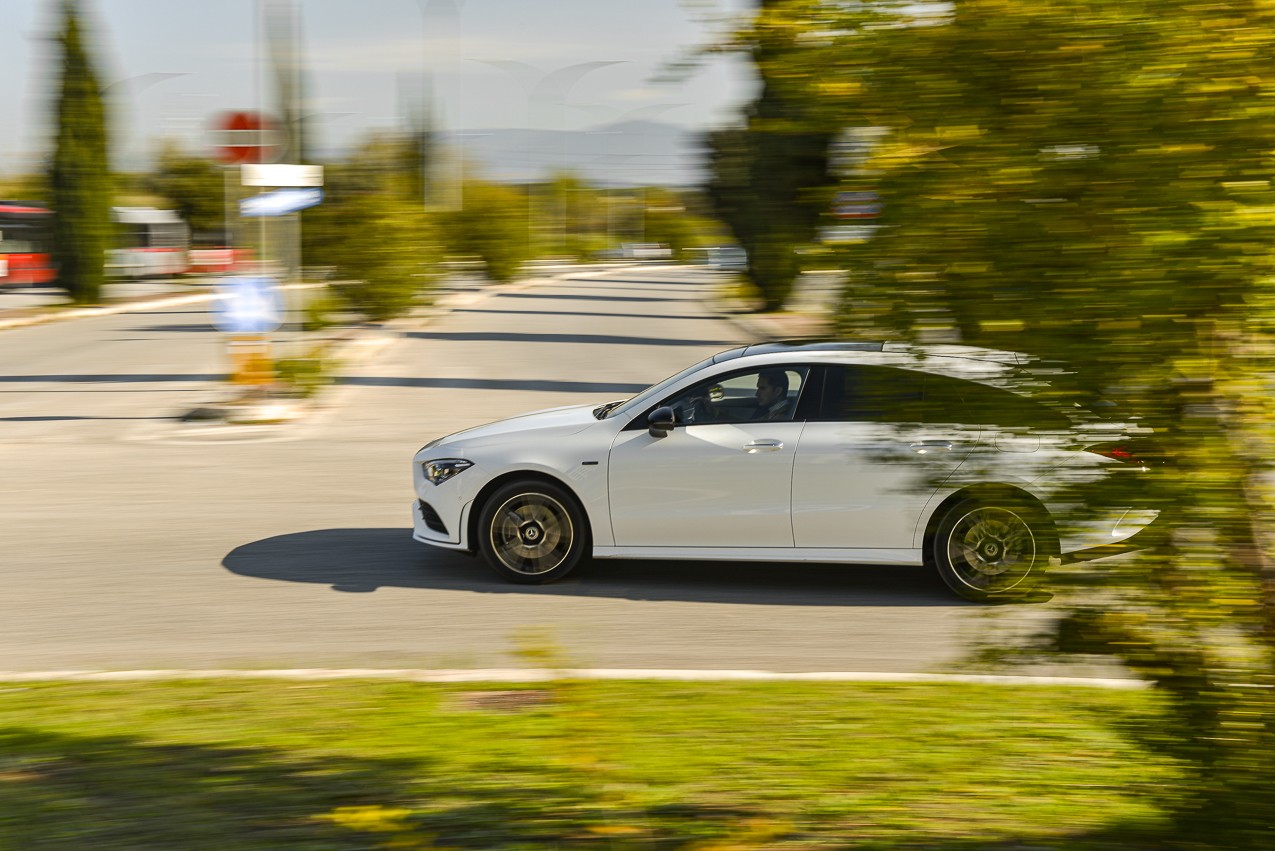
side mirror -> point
(660, 421)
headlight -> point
(443, 469)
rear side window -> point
(879, 394)
(873, 394)
(993, 406)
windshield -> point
(655, 391)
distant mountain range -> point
(630, 153)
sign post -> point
(294, 188)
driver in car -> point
(772, 395)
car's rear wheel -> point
(532, 532)
(991, 550)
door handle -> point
(764, 446)
(926, 447)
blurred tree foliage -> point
(492, 225)
(385, 256)
(371, 231)
(677, 218)
(195, 187)
(578, 219)
(565, 210)
(1091, 182)
(25, 187)
(769, 178)
(79, 176)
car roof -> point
(800, 347)
(969, 362)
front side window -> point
(654, 390)
(757, 395)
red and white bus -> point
(150, 243)
(26, 244)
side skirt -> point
(795, 554)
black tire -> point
(532, 532)
(993, 550)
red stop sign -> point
(244, 137)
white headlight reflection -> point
(443, 469)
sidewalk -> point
(36, 305)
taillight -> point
(1121, 452)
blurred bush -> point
(303, 377)
(492, 225)
(384, 255)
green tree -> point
(79, 178)
(769, 178)
(492, 226)
(385, 255)
(1090, 182)
(194, 186)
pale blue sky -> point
(357, 52)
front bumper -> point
(439, 527)
(440, 513)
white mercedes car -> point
(863, 453)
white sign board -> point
(280, 174)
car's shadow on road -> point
(363, 560)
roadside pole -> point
(292, 188)
(240, 139)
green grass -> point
(608, 765)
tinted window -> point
(873, 394)
(890, 395)
(996, 407)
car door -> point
(721, 478)
(884, 440)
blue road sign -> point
(248, 306)
(280, 202)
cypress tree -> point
(79, 177)
(769, 179)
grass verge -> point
(610, 765)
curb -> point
(521, 675)
(42, 316)
(772, 327)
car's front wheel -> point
(532, 532)
(990, 550)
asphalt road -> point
(130, 540)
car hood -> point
(570, 420)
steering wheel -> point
(696, 410)
(702, 411)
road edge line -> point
(520, 675)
